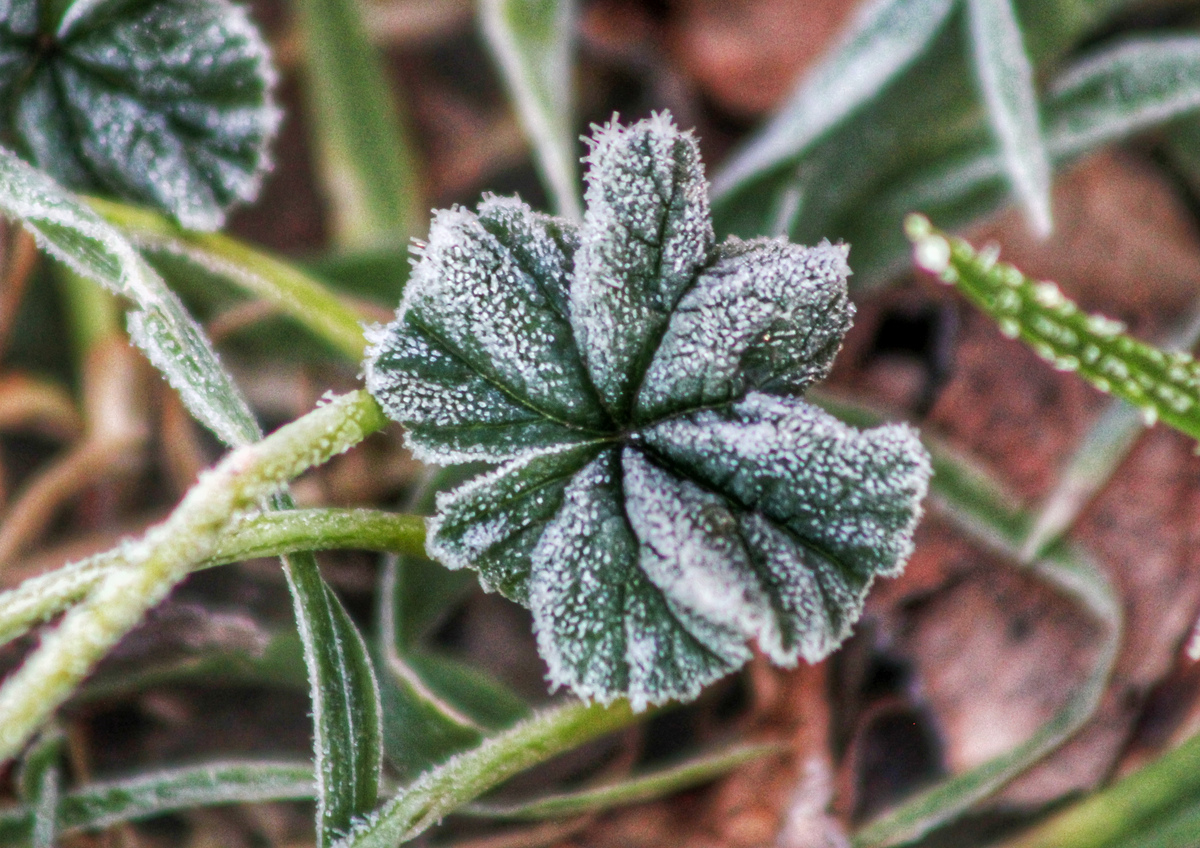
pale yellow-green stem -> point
(168, 551)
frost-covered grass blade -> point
(106, 803)
(1005, 76)
(1113, 93)
(926, 144)
(636, 789)
(533, 42)
(885, 38)
(1165, 386)
(441, 790)
(81, 239)
(345, 706)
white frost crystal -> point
(666, 496)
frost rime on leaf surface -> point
(164, 102)
(665, 495)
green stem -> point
(255, 272)
(93, 314)
(470, 774)
(634, 790)
(150, 567)
(272, 534)
(1164, 386)
(1126, 809)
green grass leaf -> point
(443, 789)
(632, 790)
(253, 271)
(81, 239)
(1157, 806)
(855, 183)
(1105, 97)
(884, 39)
(533, 42)
(1006, 78)
(107, 803)
(347, 719)
(167, 103)
(345, 698)
(39, 781)
(434, 707)
(1165, 386)
(367, 162)
(667, 495)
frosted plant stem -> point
(269, 535)
(1165, 386)
(465, 777)
(255, 272)
(167, 553)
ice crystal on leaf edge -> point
(664, 494)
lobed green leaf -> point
(167, 102)
(667, 496)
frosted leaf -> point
(668, 498)
(493, 522)
(646, 233)
(846, 492)
(18, 28)
(541, 244)
(166, 103)
(602, 627)
(480, 361)
(767, 315)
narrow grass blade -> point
(83, 241)
(1006, 79)
(107, 803)
(346, 704)
(348, 741)
(991, 516)
(533, 42)
(253, 271)
(1090, 468)
(1158, 805)
(435, 708)
(927, 147)
(39, 779)
(1111, 95)
(1164, 386)
(166, 553)
(367, 161)
(443, 789)
(884, 39)
(633, 790)
(1123, 89)
(272, 534)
